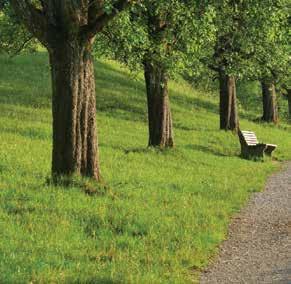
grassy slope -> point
(166, 212)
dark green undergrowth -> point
(164, 213)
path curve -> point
(258, 249)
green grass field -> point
(166, 212)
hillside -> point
(165, 212)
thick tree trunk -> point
(159, 113)
(228, 103)
(270, 108)
(75, 146)
(68, 29)
(289, 102)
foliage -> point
(163, 31)
(168, 210)
(13, 36)
(273, 47)
(250, 37)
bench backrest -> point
(249, 137)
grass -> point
(166, 212)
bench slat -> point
(249, 135)
(250, 138)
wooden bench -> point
(251, 148)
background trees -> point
(271, 59)
(248, 45)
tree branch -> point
(95, 10)
(32, 17)
(23, 45)
(90, 30)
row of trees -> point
(227, 39)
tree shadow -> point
(29, 133)
(189, 102)
(135, 150)
(180, 126)
(96, 280)
(117, 94)
(104, 70)
(38, 98)
(207, 150)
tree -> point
(272, 57)
(244, 31)
(270, 107)
(168, 32)
(288, 91)
(156, 77)
(67, 29)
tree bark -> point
(159, 112)
(270, 108)
(75, 146)
(289, 102)
(228, 103)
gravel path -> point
(258, 249)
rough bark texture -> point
(270, 108)
(159, 113)
(75, 147)
(228, 103)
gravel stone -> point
(258, 248)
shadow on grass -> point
(180, 126)
(25, 97)
(208, 150)
(118, 95)
(190, 102)
(95, 280)
(29, 133)
(105, 71)
(138, 150)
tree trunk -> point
(75, 146)
(159, 113)
(228, 103)
(68, 29)
(270, 108)
(289, 102)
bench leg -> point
(253, 152)
(269, 150)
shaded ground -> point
(258, 249)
